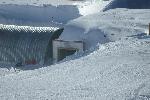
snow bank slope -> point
(91, 6)
(131, 4)
(107, 26)
(37, 15)
(115, 71)
(38, 2)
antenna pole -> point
(149, 30)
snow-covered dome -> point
(131, 4)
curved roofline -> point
(24, 43)
(27, 28)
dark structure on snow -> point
(27, 45)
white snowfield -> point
(54, 13)
(114, 71)
(45, 15)
(38, 2)
(91, 6)
(116, 65)
(118, 70)
(107, 26)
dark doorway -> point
(63, 52)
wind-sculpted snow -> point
(92, 6)
(107, 26)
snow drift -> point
(107, 26)
(37, 15)
(118, 70)
(131, 4)
(91, 6)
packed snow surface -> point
(107, 26)
(45, 15)
(115, 66)
(38, 2)
(118, 70)
(91, 6)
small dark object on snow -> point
(19, 64)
